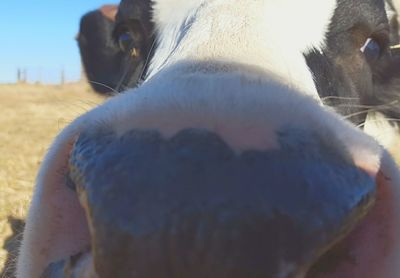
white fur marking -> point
(272, 35)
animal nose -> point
(190, 205)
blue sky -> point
(39, 36)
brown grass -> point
(30, 118)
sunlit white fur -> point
(272, 35)
(390, 12)
(395, 13)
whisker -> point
(336, 97)
(77, 107)
(147, 61)
(104, 85)
(378, 120)
(368, 106)
(358, 113)
(372, 108)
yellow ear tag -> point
(134, 52)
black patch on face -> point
(344, 78)
(101, 58)
(190, 206)
(108, 67)
(134, 19)
(386, 96)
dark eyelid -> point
(132, 26)
(381, 35)
(383, 27)
(383, 44)
(119, 29)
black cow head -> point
(115, 51)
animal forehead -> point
(369, 13)
(302, 24)
(173, 9)
(139, 10)
(347, 11)
(109, 11)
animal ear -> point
(109, 11)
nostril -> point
(191, 204)
(69, 182)
(79, 265)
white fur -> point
(390, 12)
(395, 13)
(382, 130)
(272, 35)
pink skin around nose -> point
(372, 248)
(56, 225)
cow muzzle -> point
(192, 206)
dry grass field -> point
(30, 117)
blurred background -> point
(42, 89)
(38, 40)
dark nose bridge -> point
(191, 206)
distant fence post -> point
(62, 77)
(83, 77)
(24, 77)
(39, 77)
(19, 75)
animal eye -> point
(371, 49)
(127, 44)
